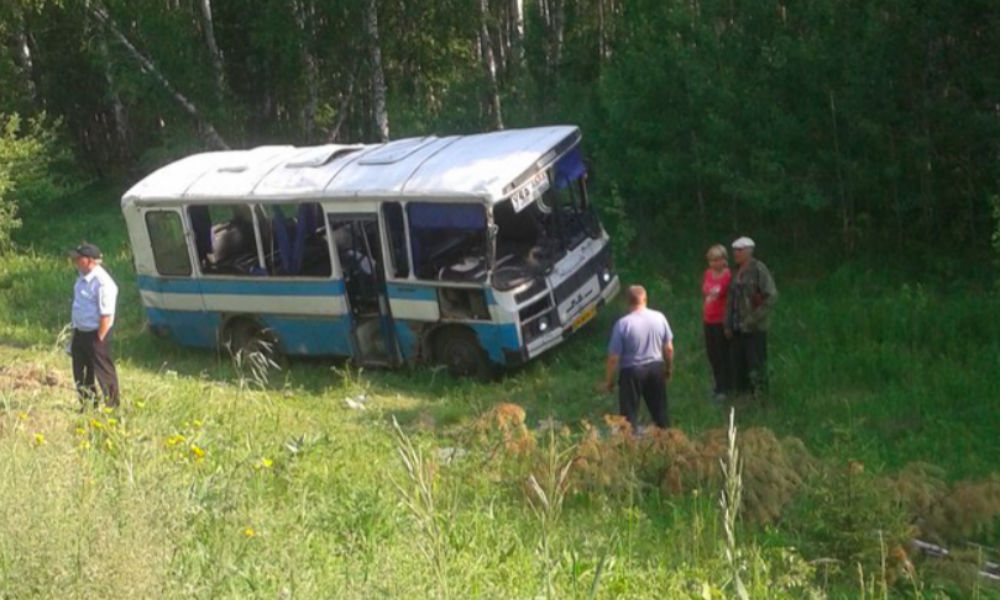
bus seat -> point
(201, 226)
(304, 227)
(280, 231)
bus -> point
(469, 251)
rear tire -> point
(459, 351)
(245, 335)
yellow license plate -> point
(583, 318)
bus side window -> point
(395, 230)
(294, 238)
(225, 239)
(448, 241)
(166, 236)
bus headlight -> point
(606, 276)
(543, 324)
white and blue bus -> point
(469, 251)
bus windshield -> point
(532, 239)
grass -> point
(203, 485)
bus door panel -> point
(356, 240)
(173, 296)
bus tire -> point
(246, 335)
(458, 349)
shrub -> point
(31, 158)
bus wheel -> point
(247, 336)
(459, 351)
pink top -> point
(715, 289)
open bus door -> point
(356, 239)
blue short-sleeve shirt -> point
(638, 338)
(94, 296)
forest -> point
(860, 124)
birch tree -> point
(380, 112)
(303, 21)
(208, 30)
(100, 14)
(489, 64)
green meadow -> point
(212, 481)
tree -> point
(379, 110)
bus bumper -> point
(581, 318)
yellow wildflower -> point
(175, 439)
(81, 431)
(249, 532)
(263, 463)
(96, 424)
(23, 416)
(39, 439)
(197, 423)
(197, 452)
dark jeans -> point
(748, 356)
(717, 348)
(645, 381)
(92, 359)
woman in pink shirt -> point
(714, 289)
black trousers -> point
(748, 356)
(92, 360)
(717, 348)
(646, 381)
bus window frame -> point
(263, 205)
(187, 234)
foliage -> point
(868, 126)
(30, 157)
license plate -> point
(583, 318)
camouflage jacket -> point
(752, 295)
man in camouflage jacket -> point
(752, 295)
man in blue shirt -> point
(641, 351)
(94, 298)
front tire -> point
(459, 351)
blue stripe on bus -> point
(256, 287)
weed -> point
(730, 499)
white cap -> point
(743, 242)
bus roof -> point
(482, 165)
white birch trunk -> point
(517, 16)
(208, 28)
(22, 54)
(303, 20)
(100, 14)
(117, 108)
(489, 63)
(379, 109)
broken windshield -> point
(533, 235)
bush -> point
(31, 158)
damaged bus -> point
(471, 251)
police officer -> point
(94, 297)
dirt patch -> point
(30, 376)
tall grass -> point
(206, 484)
